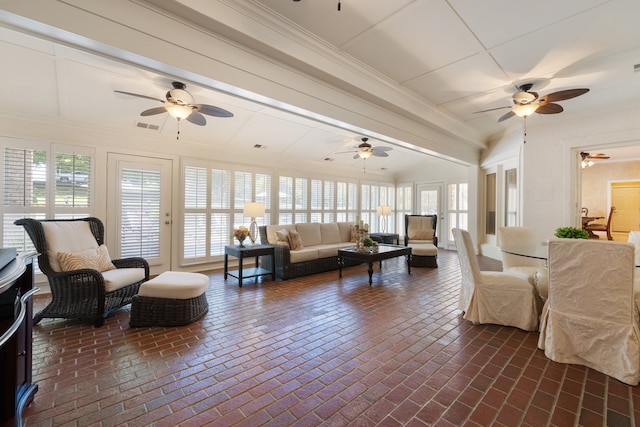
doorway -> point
(139, 190)
(429, 202)
(625, 196)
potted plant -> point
(571, 233)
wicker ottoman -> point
(171, 299)
(424, 255)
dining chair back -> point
(532, 269)
(590, 317)
(606, 227)
(495, 297)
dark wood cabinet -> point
(16, 322)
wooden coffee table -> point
(384, 252)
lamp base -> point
(253, 231)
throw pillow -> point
(421, 234)
(353, 233)
(282, 235)
(295, 241)
(95, 259)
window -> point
(404, 205)
(490, 204)
(511, 197)
(213, 205)
(457, 207)
(316, 200)
(372, 196)
(43, 180)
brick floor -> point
(318, 350)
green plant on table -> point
(367, 242)
(571, 233)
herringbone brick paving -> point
(318, 350)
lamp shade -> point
(254, 209)
(384, 210)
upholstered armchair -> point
(420, 235)
(495, 297)
(85, 283)
(590, 318)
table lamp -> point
(253, 210)
(383, 211)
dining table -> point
(586, 220)
(538, 251)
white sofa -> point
(319, 252)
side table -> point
(249, 251)
(386, 238)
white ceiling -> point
(458, 56)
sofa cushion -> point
(306, 254)
(310, 233)
(345, 231)
(63, 236)
(326, 251)
(271, 232)
(295, 242)
(329, 233)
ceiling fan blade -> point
(210, 110)
(599, 156)
(382, 148)
(357, 156)
(345, 152)
(153, 111)
(564, 94)
(379, 154)
(140, 96)
(506, 116)
(196, 118)
(549, 108)
(490, 109)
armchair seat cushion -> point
(121, 277)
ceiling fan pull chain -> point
(525, 131)
(178, 135)
(338, 5)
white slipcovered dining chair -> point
(496, 297)
(532, 269)
(590, 318)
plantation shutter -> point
(140, 213)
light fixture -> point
(364, 154)
(253, 210)
(178, 111)
(383, 211)
(524, 110)
(586, 161)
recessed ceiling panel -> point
(418, 39)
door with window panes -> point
(139, 194)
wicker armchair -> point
(86, 293)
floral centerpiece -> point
(241, 233)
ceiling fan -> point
(587, 158)
(179, 104)
(527, 102)
(365, 150)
